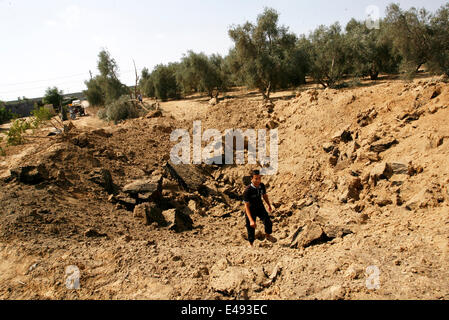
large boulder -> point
(344, 135)
(191, 178)
(316, 232)
(151, 186)
(307, 235)
(151, 213)
(383, 145)
(381, 171)
(229, 280)
(103, 178)
(177, 220)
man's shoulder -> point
(248, 188)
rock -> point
(258, 277)
(365, 118)
(436, 140)
(103, 178)
(354, 188)
(367, 155)
(92, 233)
(307, 235)
(333, 160)
(6, 176)
(353, 272)
(342, 136)
(177, 220)
(140, 211)
(399, 168)
(432, 109)
(409, 117)
(336, 292)
(271, 124)
(154, 114)
(328, 147)
(124, 200)
(82, 140)
(381, 171)
(420, 200)
(414, 170)
(189, 177)
(384, 202)
(436, 93)
(151, 213)
(193, 206)
(383, 145)
(335, 231)
(232, 281)
(102, 133)
(152, 185)
(30, 174)
(362, 218)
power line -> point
(58, 78)
(59, 84)
(36, 81)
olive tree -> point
(262, 51)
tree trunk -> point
(419, 66)
(266, 94)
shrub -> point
(40, 114)
(14, 135)
(102, 114)
(53, 96)
(5, 115)
(120, 109)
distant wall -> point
(21, 108)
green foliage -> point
(106, 87)
(5, 114)
(262, 50)
(410, 33)
(164, 81)
(198, 72)
(146, 84)
(370, 51)
(329, 58)
(120, 109)
(15, 133)
(53, 96)
(439, 56)
(41, 113)
(94, 92)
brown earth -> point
(362, 181)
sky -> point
(56, 42)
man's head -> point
(256, 178)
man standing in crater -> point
(254, 208)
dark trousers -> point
(263, 215)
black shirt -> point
(253, 196)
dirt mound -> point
(362, 184)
